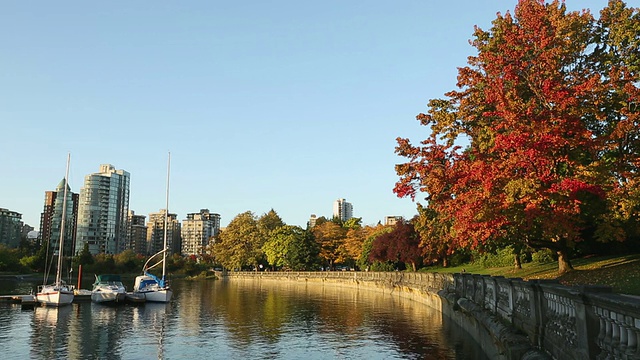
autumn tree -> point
(364, 261)
(240, 243)
(529, 103)
(434, 232)
(330, 238)
(399, 245)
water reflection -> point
(50, 328)
(239, 319)
(149, 324)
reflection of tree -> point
(256, 313)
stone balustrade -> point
(519, 319)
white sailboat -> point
(58, 293)
(153, 288)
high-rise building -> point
(392, 220)
(137, 233)
(197, 230)
(51, 219)
(103, 210)
(342, 209)
(312, 221)
(155, 233)
(10, 226)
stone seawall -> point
(509, 318)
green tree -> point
(269, 222)
(83, 258)
(240, 243)
(127, 261)
(36, 262)
(291, 247)
(9, 259)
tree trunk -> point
(413, 265)
(445, 262)
(517, 262)
(564, 264)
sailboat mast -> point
(166, 221)
(64, 215)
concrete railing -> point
(522, 319)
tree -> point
(84, 257)
(399, 245)
(240, 243)
(616, 59)
(353, 241)
(529, 104)
(291, 247)
(269, 222)
(434, 232)
(364, 262)
(330, 238)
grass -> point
(622, 273)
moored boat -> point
(108, 289)
(154, 288)
(58, 293)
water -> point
(235, 320)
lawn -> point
(622, 273)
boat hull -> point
(108, 296)
(162, 296)
(55, 297)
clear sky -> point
(287, 105)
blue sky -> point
(287, 105)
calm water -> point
(235, 320)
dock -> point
(26, 301)
(80, 296)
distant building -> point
(312, 221)
(392, 220)
(103, 210)
(197, 230)
(10, 227)
(342, 210)
(51, 219)
(155, 233)
(25, 230)
(137, 233)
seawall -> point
(509, 318)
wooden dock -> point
(80, 296)
(26, 301)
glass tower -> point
(103, 211)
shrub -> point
(543, 256)
(501, 258)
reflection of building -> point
(10, 227)
(197, 230)
(103, 211)
(51, 219)
(392, 220)
(342, 210)
(155, 233)
(137, 233)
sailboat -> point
(154, 288)
(58, 293)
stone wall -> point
(510, 318)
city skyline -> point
(283, 106)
